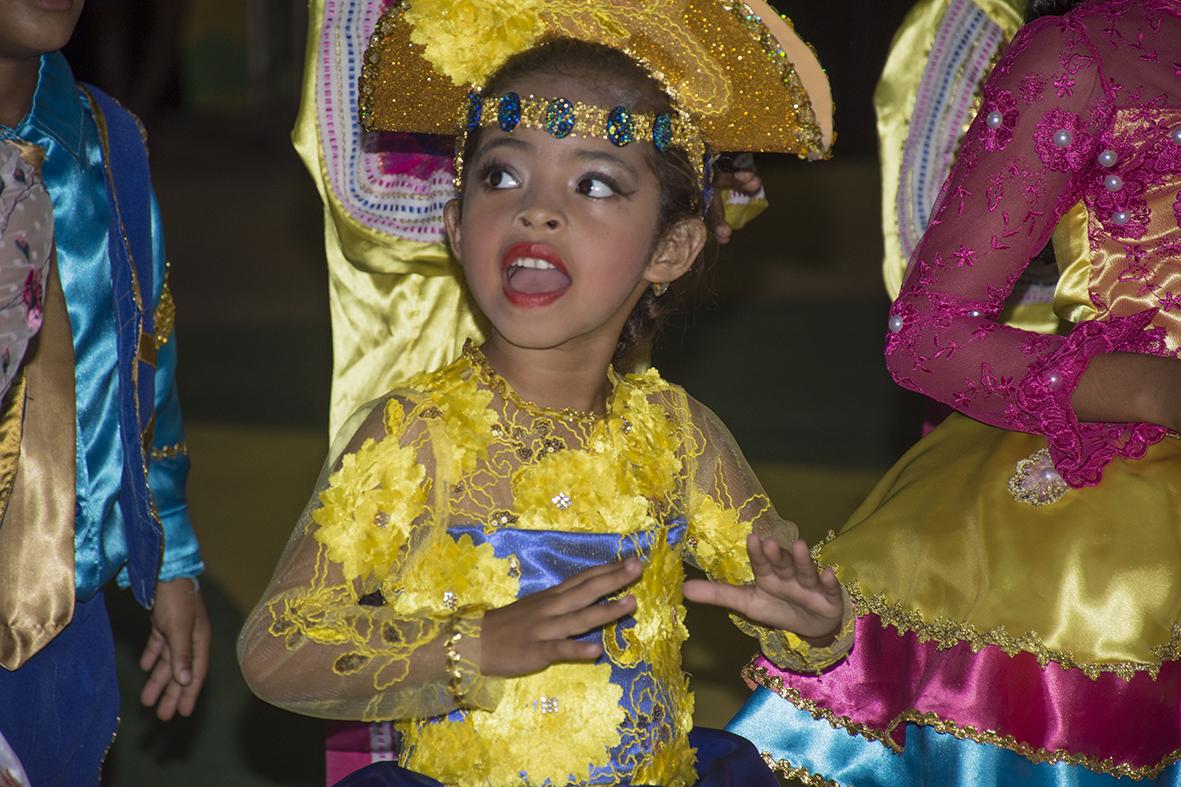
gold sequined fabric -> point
(737, 69)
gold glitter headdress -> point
(736, 70)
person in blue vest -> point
(93, 458)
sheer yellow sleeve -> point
(726, 503)
(334, 635)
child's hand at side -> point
(536, 631)
(788, 593)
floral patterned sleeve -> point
(726, 503)
(1038, 145)
(333, 635)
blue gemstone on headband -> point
(475, 105)
(559, 118)
(662, 132)
(621, 128)
(508, 111)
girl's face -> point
(558, 237)
(29, 28)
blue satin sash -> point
(794, 736)
(548, 558)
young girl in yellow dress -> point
(495, 560)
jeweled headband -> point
(736, 71)
(563, 118)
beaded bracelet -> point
(454, 671)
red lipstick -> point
(532, 285)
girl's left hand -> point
(788, 593)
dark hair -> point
(680, 190)
(1036, 8)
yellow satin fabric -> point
(37, 531)
(1072, 250)
(894, 100)
(1105, 280)
(1079, 576)
(397, 306)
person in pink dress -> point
(1014, 574)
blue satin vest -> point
(129, 199)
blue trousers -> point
(59, 711)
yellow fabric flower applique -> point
(443, 28)
(629, 463)
(659, 627)
(572, 712)
(646, 434)
(370, 504)
(580, 491)
(720, 541)
(463, 412)
(450, 574)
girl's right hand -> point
(530, 634)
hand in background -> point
(788, 593)
(177, 654)
(735, 173)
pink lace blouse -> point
(1084, 107)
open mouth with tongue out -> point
(534, 274)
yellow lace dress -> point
(454, 497)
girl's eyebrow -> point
(599, 155)
(505, 141)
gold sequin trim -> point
(947, 633)
(1107, 766)
(170, 451)
(165, 316)
(785, 770)
(807, 135)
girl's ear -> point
(676, 251)
(451, 215)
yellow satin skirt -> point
(942, 547)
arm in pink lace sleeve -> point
(1027, 158)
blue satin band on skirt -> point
(723, 760)
(794, 736)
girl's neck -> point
(555, 379)
(18, 81)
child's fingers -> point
(592, 617)
(760, 561)
(167, 707)
(598, 586)
(152, 650)
(570, 650)
(582, 577)
(830, 583)
(718, 594)
(805, 569)
(158, 680)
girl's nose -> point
(536, 217)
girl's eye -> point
(597, 188)
(501, 179)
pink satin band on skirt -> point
(890, 679)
